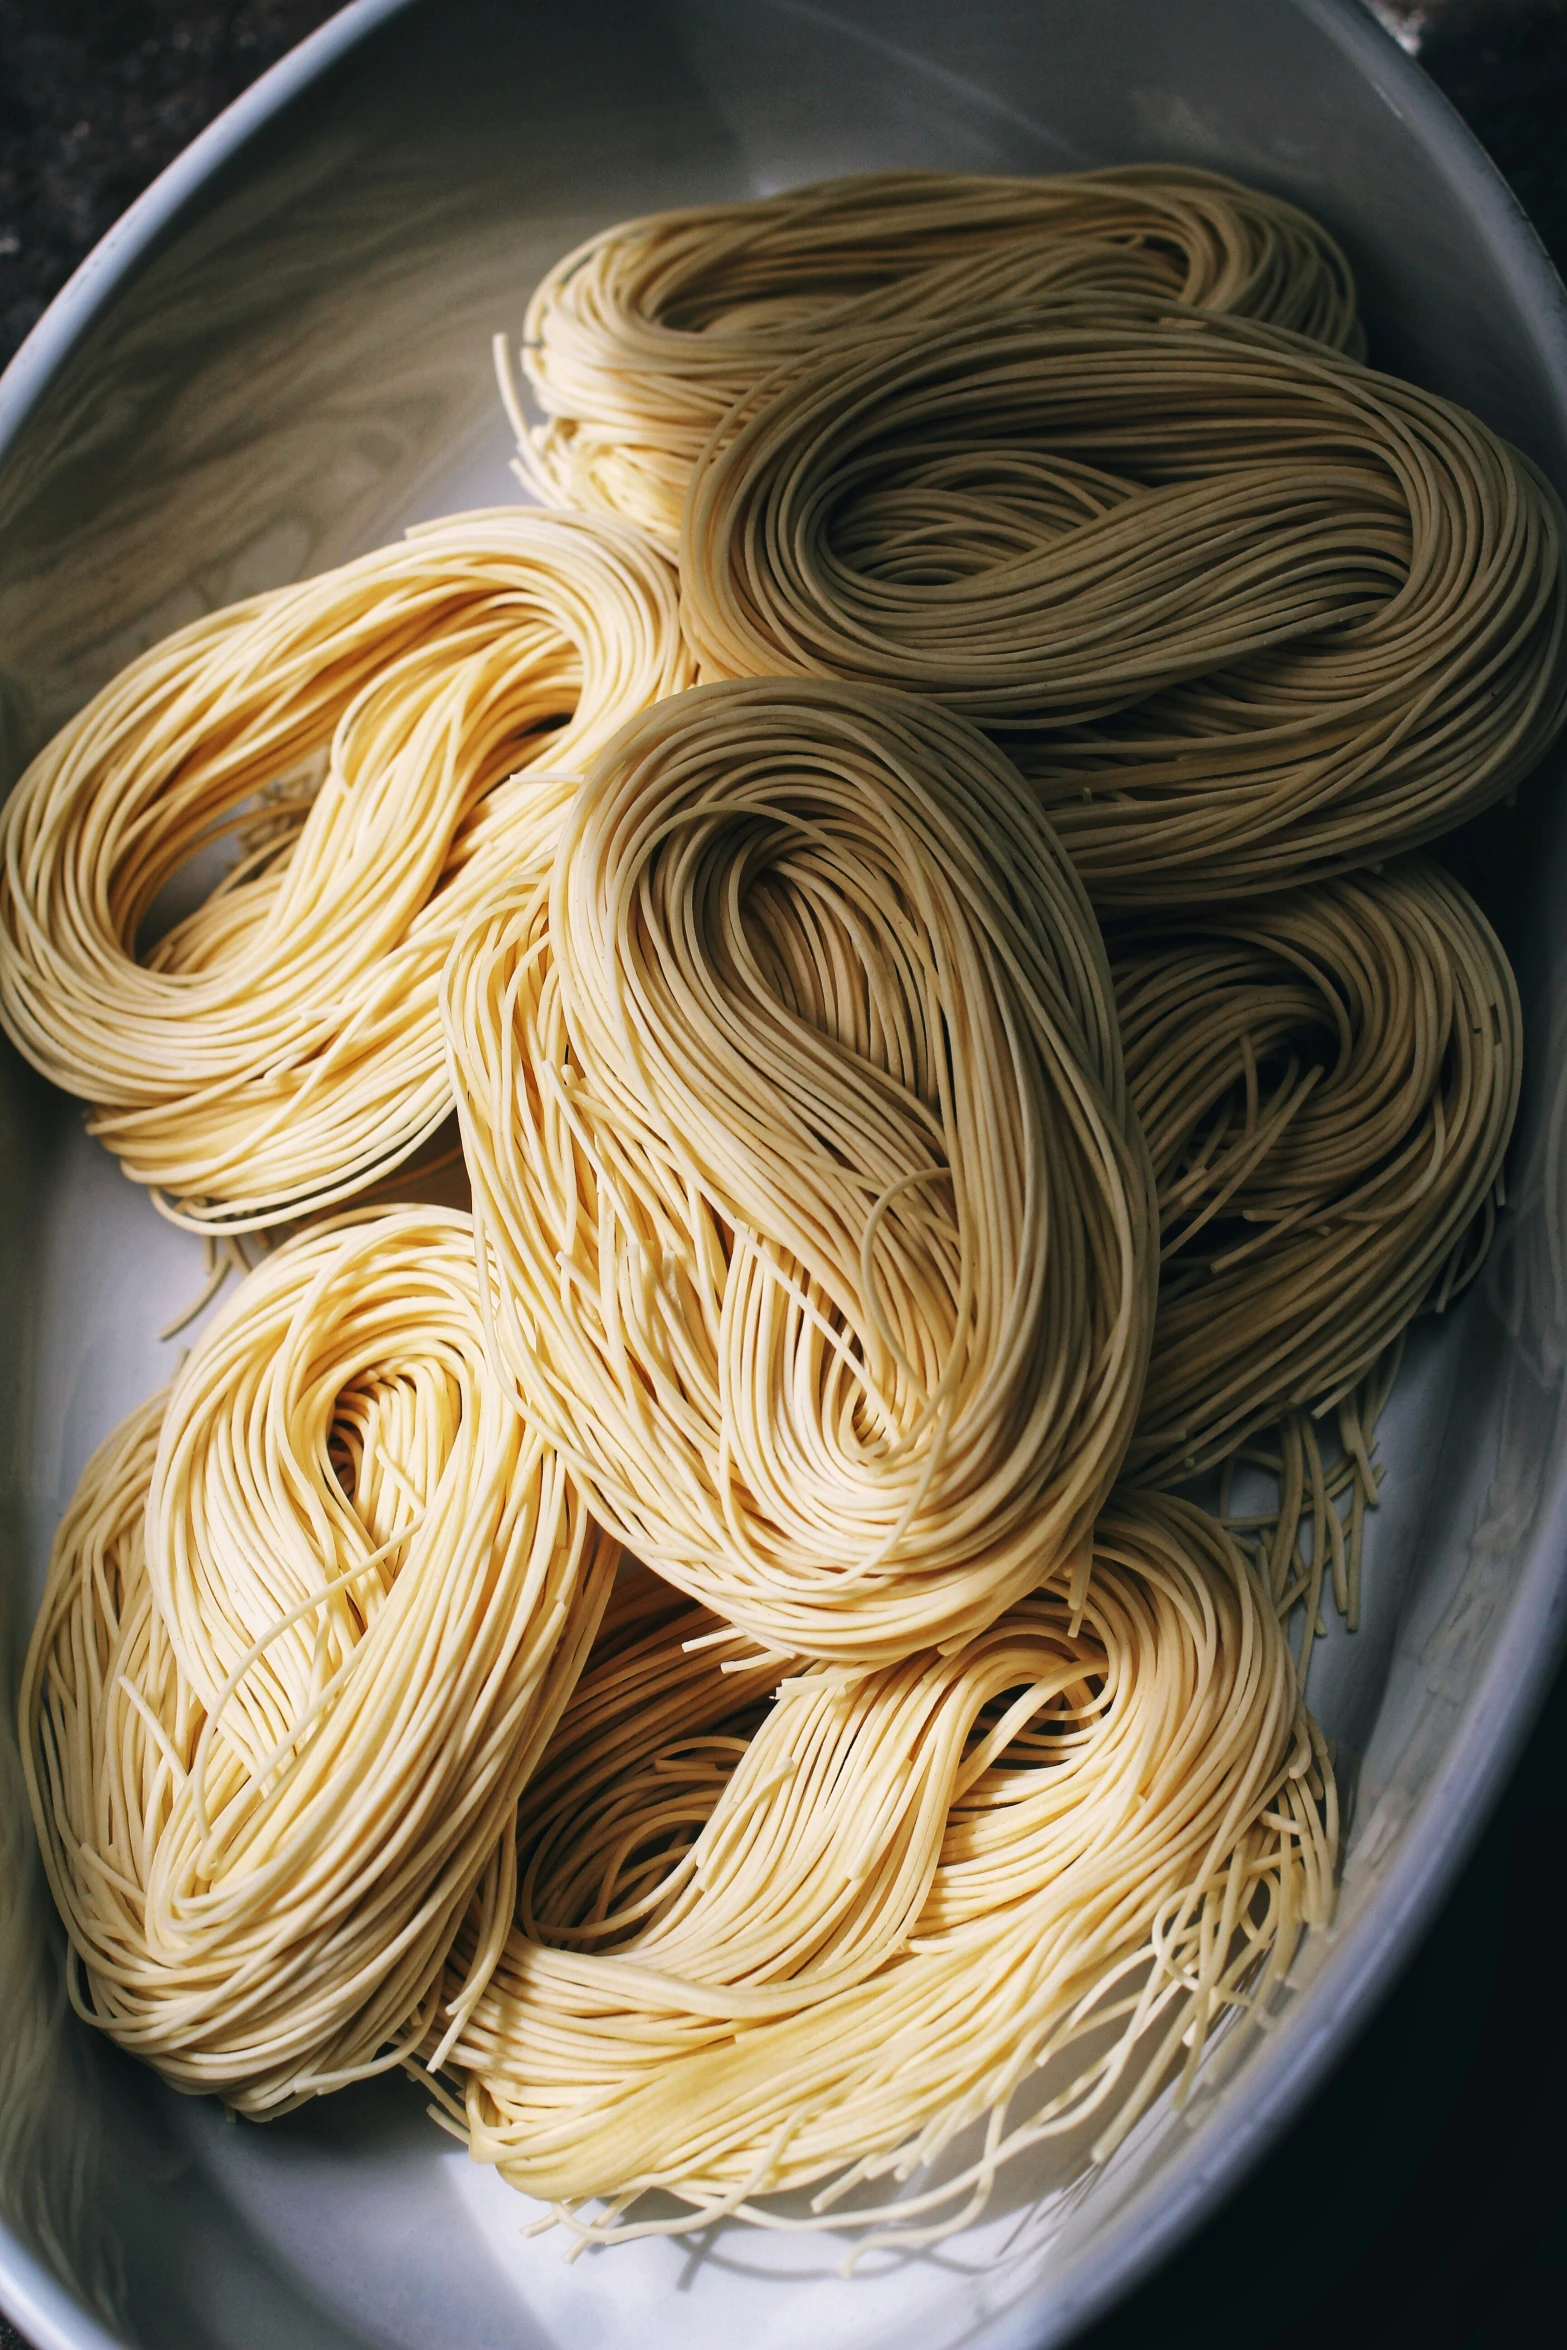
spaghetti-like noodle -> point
(796, 1124)
(638, 342)
(1244, 610)
(308, 1626)
(1327, 1082)
(279, 1049)
(1310, 1538)
(818, 1202)
(752, 1957)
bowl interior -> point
(298, 366)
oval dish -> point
(276, 360)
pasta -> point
(1311, 1540)
(928, 1785)
(797, 1131)
(308, 1625)
(1327, 1082)
(753, 1956)
(278, 1049)
(1246, 612)
(638, 343)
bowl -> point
(278, 358)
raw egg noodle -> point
(638, 343)
(1327, 1082)
(424, 710)
(929, 1785)
(798, 1136)
(1246, 612)
(753, 1959)
(1309, 1539)
(309, 1622)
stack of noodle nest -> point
(931, 1782)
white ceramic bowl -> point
(278, 358)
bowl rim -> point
(1492, 1726)
(119, 252)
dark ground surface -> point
(1422, 2200)
(96, 96)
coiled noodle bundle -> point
(307, 1629)
(797, 1132)
(753, 1956)
(638, 342)
(1328, 1082)
(1247, 612)
(279, 1048)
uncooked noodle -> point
(279, 1049)
(796, 1125)
(856, 1237)
(638, 342)
(753, 1956)
(1328, 1082)
(1324, 1478)
(1245, 611)
(308, 1626)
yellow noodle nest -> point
(752, 1957)
(279, 1049)
(307, 1627)
(638, 343)
(1246, 612)
(797, 1131)
(1327, 1082)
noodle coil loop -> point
(308, 1626)
(757, 1953)
(1328, 1083)
(796, 1124)
(638, 343)
(1246, 612)
(279, 1049)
